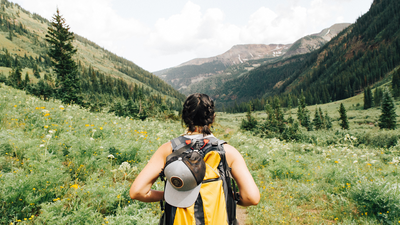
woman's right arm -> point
(141, 187)
(248, 190)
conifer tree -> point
(328, 121)
(344, 123)
(36, 71)
(250, 123)
(378, 94)
(321, 115)
(15, 77)
(396, 84)
(300, 108)
(10, 34)
(367, 98)
(278, 115)
(26, 81)
(387, 119)
(61, 51)
(303, 115)
(317, 121)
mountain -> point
(315, 41)
(239, 59)
(364, 54)
(105, 77)
(241, 53)
(196, 70)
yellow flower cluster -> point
(75, 186)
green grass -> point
(54, 168)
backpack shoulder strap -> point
(179, 145)
(178, 142)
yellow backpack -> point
(216, 202)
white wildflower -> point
(48, 136)
(395, 161)
(110, 156)
(355, 161)
(42, 145)
(125, 166)
(52, 131)
(92, 139)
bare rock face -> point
(315, 41)
(242, 53)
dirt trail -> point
(241, 215)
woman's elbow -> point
(255, 200)
(134, 193)
(250, 199)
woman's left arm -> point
(141, 187)
(248, 190)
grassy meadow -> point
(60, 164)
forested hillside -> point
(361, 55)
(107, 81)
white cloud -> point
(194, 31)
(92, 19)
(208, 34)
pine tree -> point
(378, 94)
(26, 81)
(250, 123)
(278, 115)
(321, 115)
(343, 117)
(387, 119)
(317, 121)
(10, 35)
(36, 71)
(300, 108)
(61, 51)
(15, 77)
(367, 98)
(396, 84)
(328, 121)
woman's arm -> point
(249, 193)
(141, 187)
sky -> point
(159, 34)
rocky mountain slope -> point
(241, 58)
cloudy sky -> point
(158, 34)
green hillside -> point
(105, 78)
(56, 166)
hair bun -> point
(198, 110)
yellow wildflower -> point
(75, 186)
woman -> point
(198, 115)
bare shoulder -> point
(165, 149)
(232, 154)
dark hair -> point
(198, 110)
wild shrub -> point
(381, 139)
(379, 198)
